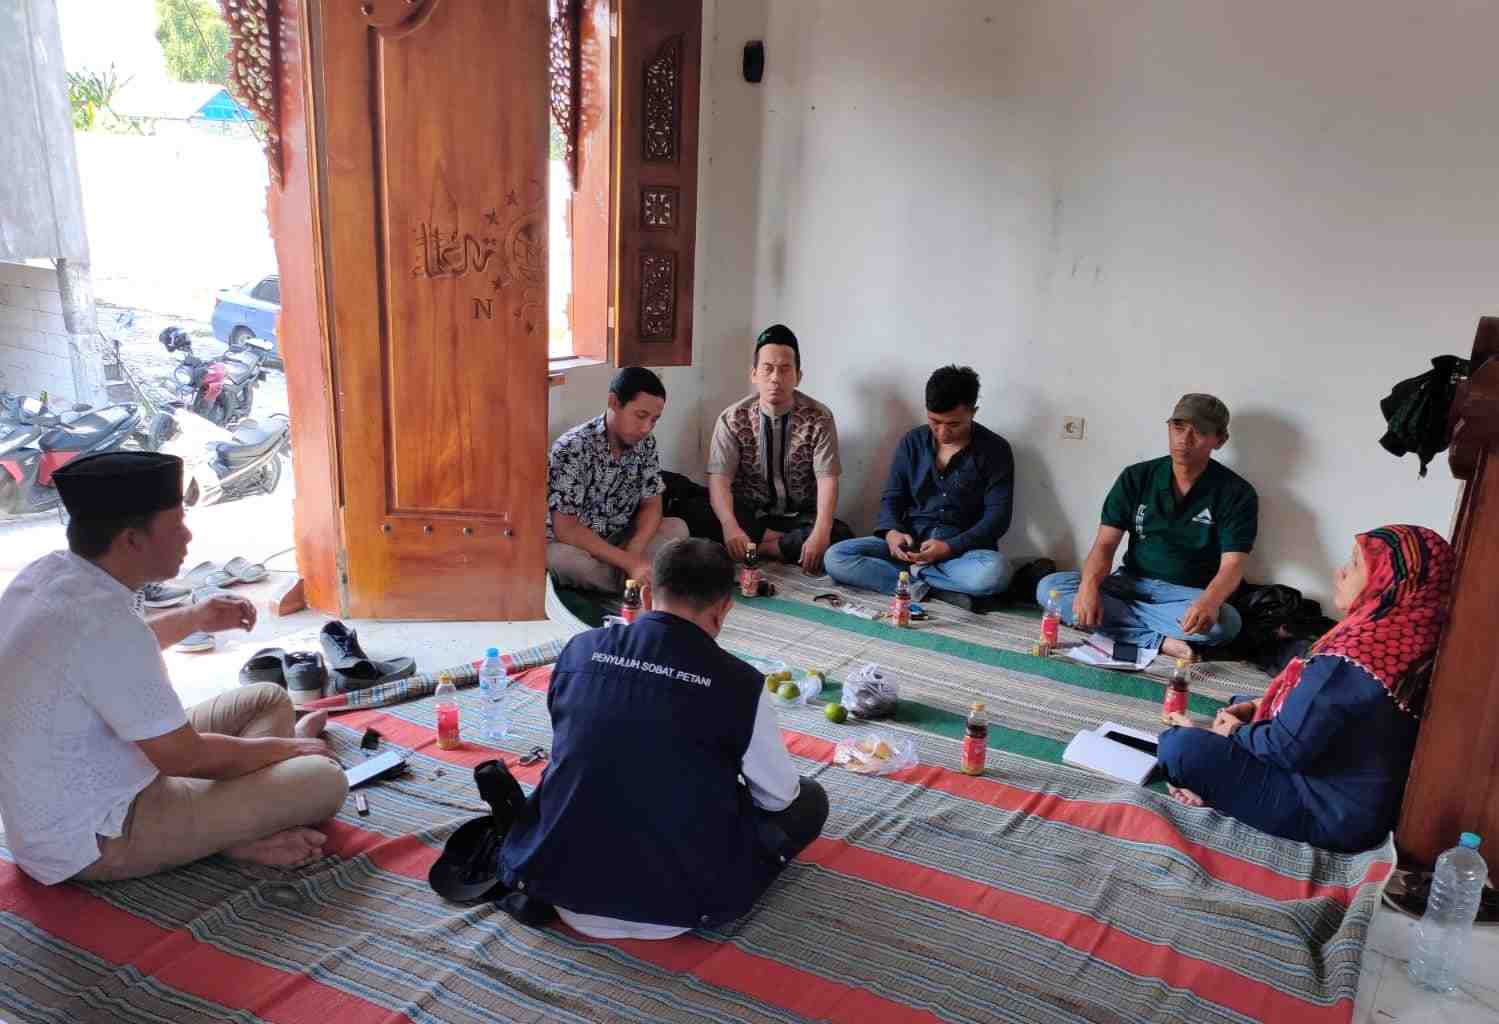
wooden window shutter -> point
(660, 50)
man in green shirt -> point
(1191, 523)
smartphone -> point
(1126, 651)
(1135, 742)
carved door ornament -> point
(254, 58)
(658, 295)
(663, 103)
(658, 207)
(402, 16)
(506, 244)
(565, 62)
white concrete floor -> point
(259, 527)
(1387, 995)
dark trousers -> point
(784, 834)
(794, 529)
(780, 836)
(1234, 781)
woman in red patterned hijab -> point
(1322, 757)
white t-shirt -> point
(773, 784)
(81, 679)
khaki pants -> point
(575, 567)
(176, 821)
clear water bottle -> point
(494, 684)
(1442, 935)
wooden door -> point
(431, 124)
(1454, 778)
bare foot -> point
(289, 849)
(311, 726)
(1174, 648)
(1184, 796)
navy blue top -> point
(640, 814)
(968, 505)
(1347, 747)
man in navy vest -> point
(670, 801)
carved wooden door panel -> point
(432, 207)
(661, 59)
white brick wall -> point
(33, 337)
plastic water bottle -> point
(449, 737)
(494, 683)
(1442, 935)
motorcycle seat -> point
(239, 369)
(251, 441)
(85, 430)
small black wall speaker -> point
(754, 61)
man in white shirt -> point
(103, 774)
(670, 801)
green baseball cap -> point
(1205, 412)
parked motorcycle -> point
(222, 391)
(26, 483)
(222, 466)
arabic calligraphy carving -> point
(447, 254)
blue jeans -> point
(865, 562)
(1142, 611)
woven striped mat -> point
(1034, 893)
(1036, 705)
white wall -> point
(34, 352)
(1102, 204)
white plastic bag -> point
(869, 693)
(875, 753)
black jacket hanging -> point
(1417, 411)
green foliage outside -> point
(194, 40)
(90, 94)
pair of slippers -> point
(340, 667)
(231, 573)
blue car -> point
(249, 312)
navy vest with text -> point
(640, 814)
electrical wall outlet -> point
(1073, 427)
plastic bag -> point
(869, 693)
(875, 753)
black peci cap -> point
(120, 485)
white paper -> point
(1098, 652)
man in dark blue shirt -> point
(946, 504)
(670, 801)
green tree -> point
(89, 92)
(194, 39)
